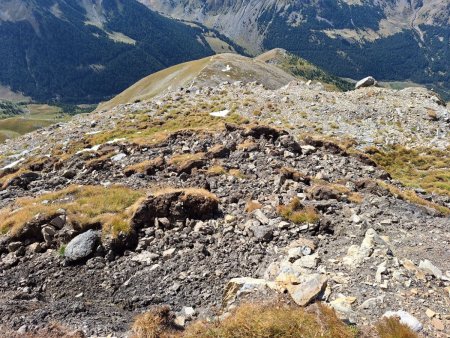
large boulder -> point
(22, 180)
(366, 82)
(176, 205)
(82, 246)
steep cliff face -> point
(392, 39)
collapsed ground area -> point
(193, 211)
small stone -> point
(262, 233)
(343, 304)
(448, 290)
(69, 174)
(82, 246)
(59, 221)
(23, 329)
(283, 225)
(163, 222)
(294, 254)
(229, 218)
(35, 248)
(308, 149)
(308, 290)
(438, 324)
(14, 246)
(309, 262)
(245, 285)
(356, 219)
(409, 265)
(20, 252)
(79, 295)
(48, 232)
(430, 313)
(371, 303)
(429, 267)
(145, 257)
(180, 321)
(259, 215)
(168, 252)
(188, 312)
(380, 270)
(118, 157)
(366, 82)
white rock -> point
(366, 82)
(380, 270)
(222, 113)
(145, 257)
(406, 319)
(188, 311)
(259, 215)
(168, 252)
(118, 157)
(434, 270)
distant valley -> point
(88, 51)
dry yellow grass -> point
(85, 206)
(392, 328)
(216, 170)
(252, 206)
(139, 167)
(155, 323)
(297, 213)
(251, 321)
(426, 168)
(247, 145)
(182, 159)
(145, 167)
(340, 189)
(186, 192)
(237, 173)
(412, 197)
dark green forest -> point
(8, 109)
(56, 63)
(395, 58)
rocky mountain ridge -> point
(205, 196)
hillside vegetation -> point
(93, 56)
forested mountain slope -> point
(391, 40)
(79, 51)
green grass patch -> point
(424, 168)
(86, 206)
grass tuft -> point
(297, 213)
(392, 328)
(186, 192)
(216, 170)
(252, 206)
